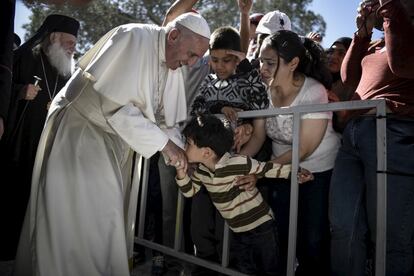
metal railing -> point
(380, 107)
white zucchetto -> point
(194, 22)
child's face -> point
(223, 64)
(193, 152)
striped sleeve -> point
(268, 169)
(189, 186)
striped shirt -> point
(243, 210)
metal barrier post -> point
(226, 246)
(144, 191)
(178, 237)
(294, 191)
(381, 238)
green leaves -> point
(100, 16)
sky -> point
(339, 16)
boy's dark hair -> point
(209, 131)
(225, 38)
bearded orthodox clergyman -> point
(48, 55)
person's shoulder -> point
(314, 91)
(136, 32)
(232, 163)
(236, 158)
(27, 56)
(314, 86)
(201, 172)
(312, 83)
(138, 28)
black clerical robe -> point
(24, 127)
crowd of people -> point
(75, 135)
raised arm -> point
(351, 69)
(244, 7)
(177, 8)
(399, 38)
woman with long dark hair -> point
(293, 68)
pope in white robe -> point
(124, 97)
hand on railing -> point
(230, 113)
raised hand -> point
(366, 17)
(239, 55)
(245, 6)
(315, 37)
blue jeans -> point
(255, 252)
(353, 197)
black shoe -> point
(157, 268)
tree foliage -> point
(100, 16)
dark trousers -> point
(153, 216)
(313, 237)
(206, 230)
(256, 252)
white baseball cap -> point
(272, 22)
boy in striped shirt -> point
(208, 142)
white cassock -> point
(82, 206)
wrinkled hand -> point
(230, 113)
(29, 92)
(242, 135)
(314, 36)
(239, 55)
(304, 175)
(366, 17)
(175, 156)
(245, 6)
(246, 182)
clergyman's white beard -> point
(60, 60)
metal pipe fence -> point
(296, 111)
